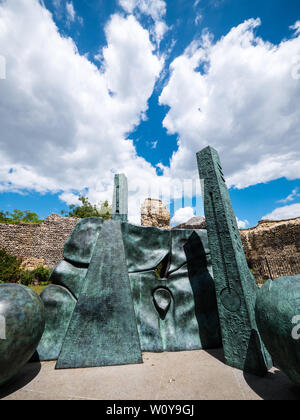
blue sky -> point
(96, 87)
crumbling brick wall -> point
(37, 244)
(42, 244)
(279, 242)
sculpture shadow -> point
(23, 378)
(204, 292)
(275, 386)
(217, 353)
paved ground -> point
(196, 375)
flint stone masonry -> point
(43, 244)
(272, 239)
(279, 241)
(155, 213)
(195, 223)
(37, 244)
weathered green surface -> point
(145, 247)
(59, 306)
(103, 328)
(120, 198)
(60, 301)
(171, 286)
(69, 276)
(278, 321)
(173, 290)
(80, 245)
(235, 286)
(22, 322)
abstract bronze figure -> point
(122, 289)
(235, 285)
(278, 321)
(21, 328)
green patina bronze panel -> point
(80, 245)
(59, 306)
(103, 328)
(278, 320)
(173, 289)
(22, 321)
(60, 301)
(235, 286)
(147, 317)
(68, 275)
(145, 247)
(171, 286)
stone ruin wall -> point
(42, 244)
(279, 241)
(37, 244)
(155, 213)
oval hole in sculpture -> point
(162, 299)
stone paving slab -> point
(194, 375)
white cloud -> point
(296, 27)
(65, 11)
(69, 198)
(182, 215)
(242, 224)
(283, 213)
(71, 14)
(237, 95)
(291, 197)
(160, 29)
(156, 9)
(131, 68)
(56, 4)
(62, 129)
(198, 18)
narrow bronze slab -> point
(103, 329)
(235, 286)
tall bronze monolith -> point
(120, 198)
(103, 330)
(235, 285)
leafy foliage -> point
(12, 272)
(9, 268)
(86, 209)
(19, 216)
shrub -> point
(26, 277)
(86, 209)
(41, 275)
(9, 268)
(11, 271)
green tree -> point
(86, 209)
(3, 216)
(30, 217)
(19, 216)
(9, 268)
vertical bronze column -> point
(235, 285)
(120, 198)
